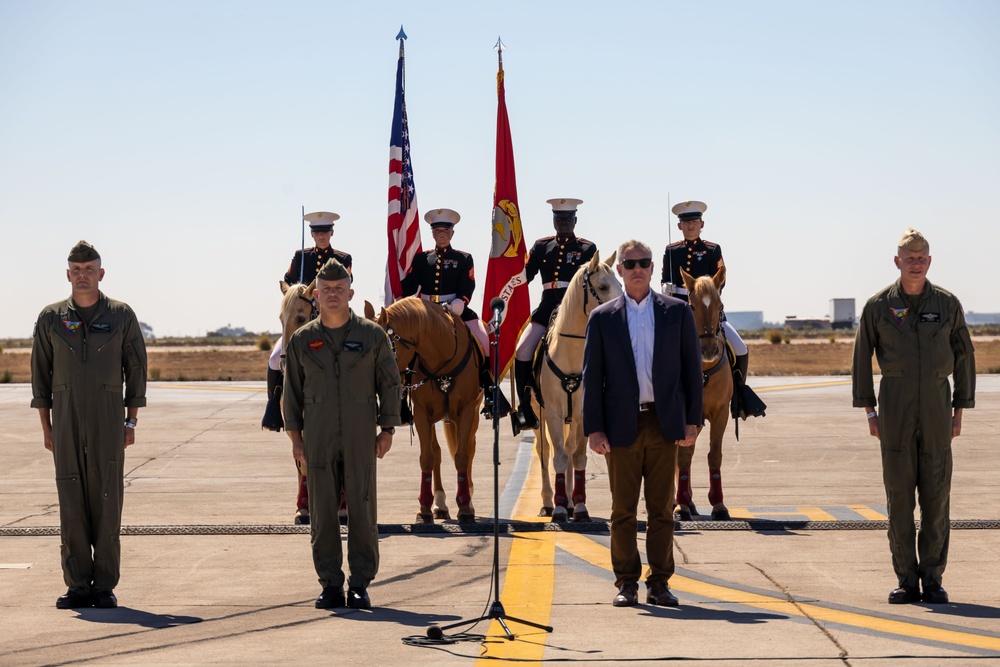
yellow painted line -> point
(809, 385)
(214, 388)
(595, 554)
(816, 514)
(529, 583)
(868, 512)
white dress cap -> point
(564, 204)
(442, 216)
(321, 219)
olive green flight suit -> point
(340, 385)
(917, 347)
(78, 371)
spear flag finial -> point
(401, 35)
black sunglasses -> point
(643, 263)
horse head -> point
(597, 282)
(706, 302)
(296, 309)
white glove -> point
(668, 289)
(457, 306)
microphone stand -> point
(496, 610)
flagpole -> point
(302, 256)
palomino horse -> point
(703, 295)
(559, 375)
(296, 309)
(439, 360)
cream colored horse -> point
(560, 379)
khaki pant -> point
(652, 460)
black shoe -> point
(73, 600)
(628, 596)
(526, 417)
(745, 402)
(904, 595)
(660, 595)
(357, 598)
(105, 600)
(330, 598)
(934, 594)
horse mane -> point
(294, 292)
(572, 303)
(705, 287)
(419, 316)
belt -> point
(556, 284)
(646, 407)
(437, 298)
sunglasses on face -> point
(643, 263)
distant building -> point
(746, 320)
(982, 318)
(229, 331)
(842, 313)
(794, 323)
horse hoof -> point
(425, 517)
(721, 515)
(466, 519)
(545, 511)
(301, 519)
(342, 518)
(684, 515)
(581, 516)
(693, 510)
(560, 515)
(442, 514)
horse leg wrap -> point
(464, 496)
(579, 487)
(426, 495)
(302, 497)
(715, 486)
(684, 488)
(560, 499)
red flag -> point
(505, 272)
(403, 227)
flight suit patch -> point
(316, 345)
(899, 314)
(71, 327)
(353, 346)
(930, 317)
(102, 327)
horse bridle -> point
(313, 314)
(720, 364)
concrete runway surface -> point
(213, 572)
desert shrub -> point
(6, 378)
(154, 373)
(774, 336)
(264, 343)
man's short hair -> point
(632, 245)
(913, 241)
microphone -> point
(497, 305)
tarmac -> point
(214, 572)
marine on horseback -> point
(446, 276)
(556, 258)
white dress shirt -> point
(641, 333)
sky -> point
(182, 138)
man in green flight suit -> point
(341, 385)
(84, 349)
(918, 334)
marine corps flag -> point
(403, 227)
(505, 273)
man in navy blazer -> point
(642, 397)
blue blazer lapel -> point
(621, 332)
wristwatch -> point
(131, 422)
(391, 430)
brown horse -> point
(706, 302)
(439, 360)
(296, 309)
(560, 376)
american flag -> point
(403, 227)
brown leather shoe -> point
(904, 595)
(660, 595)
(628, 596)
(934, 594)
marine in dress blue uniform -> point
(447, 276)
(555, 259)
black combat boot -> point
(522, 380)
(745, 402)
(272, 420)
(486, 382)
